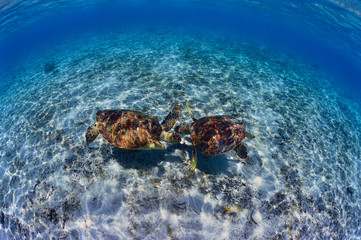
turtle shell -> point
(127, 129)
(215, 135)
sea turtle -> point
(130, 129)
(215, 135)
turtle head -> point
(169, 137)
(182, 129)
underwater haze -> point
(289, 70)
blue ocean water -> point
(289, 70)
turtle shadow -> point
(148, 159)
(142, 159)
(214, 165)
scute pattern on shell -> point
(127, 128)
(215, 135)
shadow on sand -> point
(142, 159)
(147, 159)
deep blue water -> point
(321, 31)
(290, 70)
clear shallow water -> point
(302, 177)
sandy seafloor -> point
(300, 181)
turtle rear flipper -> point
(249, 135)
(241, 151)
(92, 133)
(171, 118)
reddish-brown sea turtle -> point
(131, 129)
(215, 135)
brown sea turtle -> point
(131, 129)
(215, 135)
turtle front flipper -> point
(171, 118)
(241, 151)
(194, 160)
(190, 112)
(92, 133)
